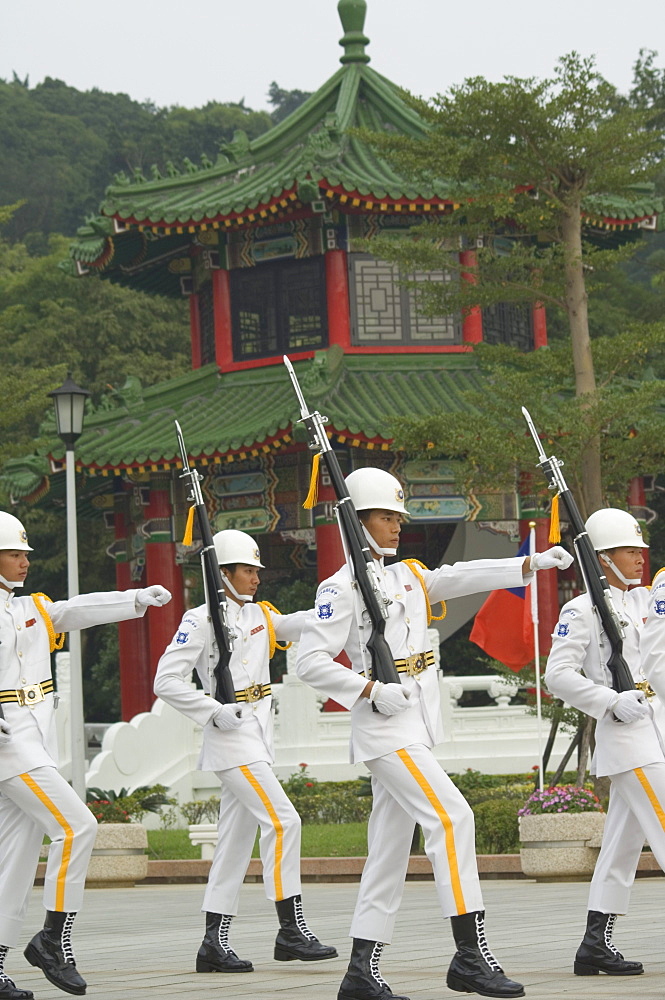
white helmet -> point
(375, 489)
(611, 528)
(234, 546)
(12, 533)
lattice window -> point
(508, 324)
(206, 324)
(385, 312)
(279, 307)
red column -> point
(194, 330)
(472, 323)
(637, 499)
(337, 296)
(539, 323)
(133, 647)
(221, 306)
(161, 568)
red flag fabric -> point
(503, 627)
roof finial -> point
(352, 15)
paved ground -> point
(142, 942)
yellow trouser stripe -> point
(651, 795)
(276, 822)
(446, 822)
(67, 844)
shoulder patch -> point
(192, 622)
(562, 629)
(659, 607)
(569, 613)
(181, 637)
(324, 610)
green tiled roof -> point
(358, 393)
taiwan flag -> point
(503, 627)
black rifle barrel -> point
(383, 667)
(594, 578)
(215, 594)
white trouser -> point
(33, 804)
(252, 796)
(410, 787)
(636, 813)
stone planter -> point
(118, 858)
(560, 847)
(205, 835)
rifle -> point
(215, 595)
(375, 612)
(595, 580)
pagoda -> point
(267, 240)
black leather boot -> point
(474, 969)
(598, 954)
(215, 953)
(363, 981)
(51, 951)
(294, 938)
(8, 988)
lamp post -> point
(69, 401)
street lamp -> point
(69, 401)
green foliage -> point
(146, 798)
(105, 811)
(488, 440)
(59, 147)
(497, 830)
(329, 801)
(201, 810)
(285, 101)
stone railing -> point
(163, 746)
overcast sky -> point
(189, 53)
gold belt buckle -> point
(30, 695)
(254, 693)
(646, 688)
(415, 664)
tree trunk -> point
(591, 497)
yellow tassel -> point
(56, 639)
(413, 564)
(312, 497)
(555, 527)
(189, 527)
(266, 608)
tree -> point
(527, 164)
(488, 438)
(285, 101)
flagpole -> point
(536, 655)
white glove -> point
(156, 596)
(5, 733)
(227, 717)
(390, 699)
(554, 558)
(630, 706)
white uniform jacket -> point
(194, 647)
(334, 626)
(579, 645)
(652, 640)
(25, 660)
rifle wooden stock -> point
(214, 586)
(594, 578)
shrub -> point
(108, 812)
(561, 799)
(147, 798)
(300, 782)
(497, 830)
(201, 810)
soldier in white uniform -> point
(630, 751)
(34, 798)
(238, 747)
(395, 742)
